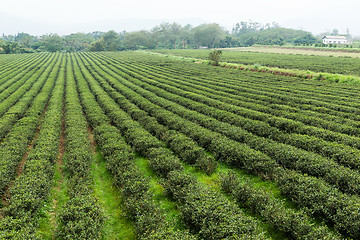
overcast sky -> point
(68, 16)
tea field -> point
(131, 145)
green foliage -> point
(324, 64)
(250, 33)
(81, 218)
(18, 228)
(301, 135)
(148, 217)
(255, 161)
(306, 39)
(185, 147)
(207, 212)
(215, 56)
(208, 35)
(77, 42)
(295, 223)
(97, 46)
(31, 188)
(138, 40)
(165, 35)
(52, 43)
(11, 48)
(111, 41)
(164, 163)
(19, 134)
(24, 39)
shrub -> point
(81, 218)
(214, 56)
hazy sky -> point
(67, 16)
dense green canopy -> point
(163, 36)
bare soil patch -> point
(92, 140)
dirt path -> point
(92, 140)
(19, 170)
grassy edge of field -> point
(300, 50)
(303, 74)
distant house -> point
(335, 40)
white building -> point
(335, 40)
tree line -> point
(165, 35)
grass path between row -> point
(213, 181)
(117, 226)
(167, 205)
(58, 194)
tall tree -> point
(161, 34)
(78, 41)
(96, 35)
(186, 35)
(175, 30)
(112, 41)
(97, 46)
(53, 42)
(156, 35)
(11, 47)
(139, 39)
(208, 35)
(24, 39)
